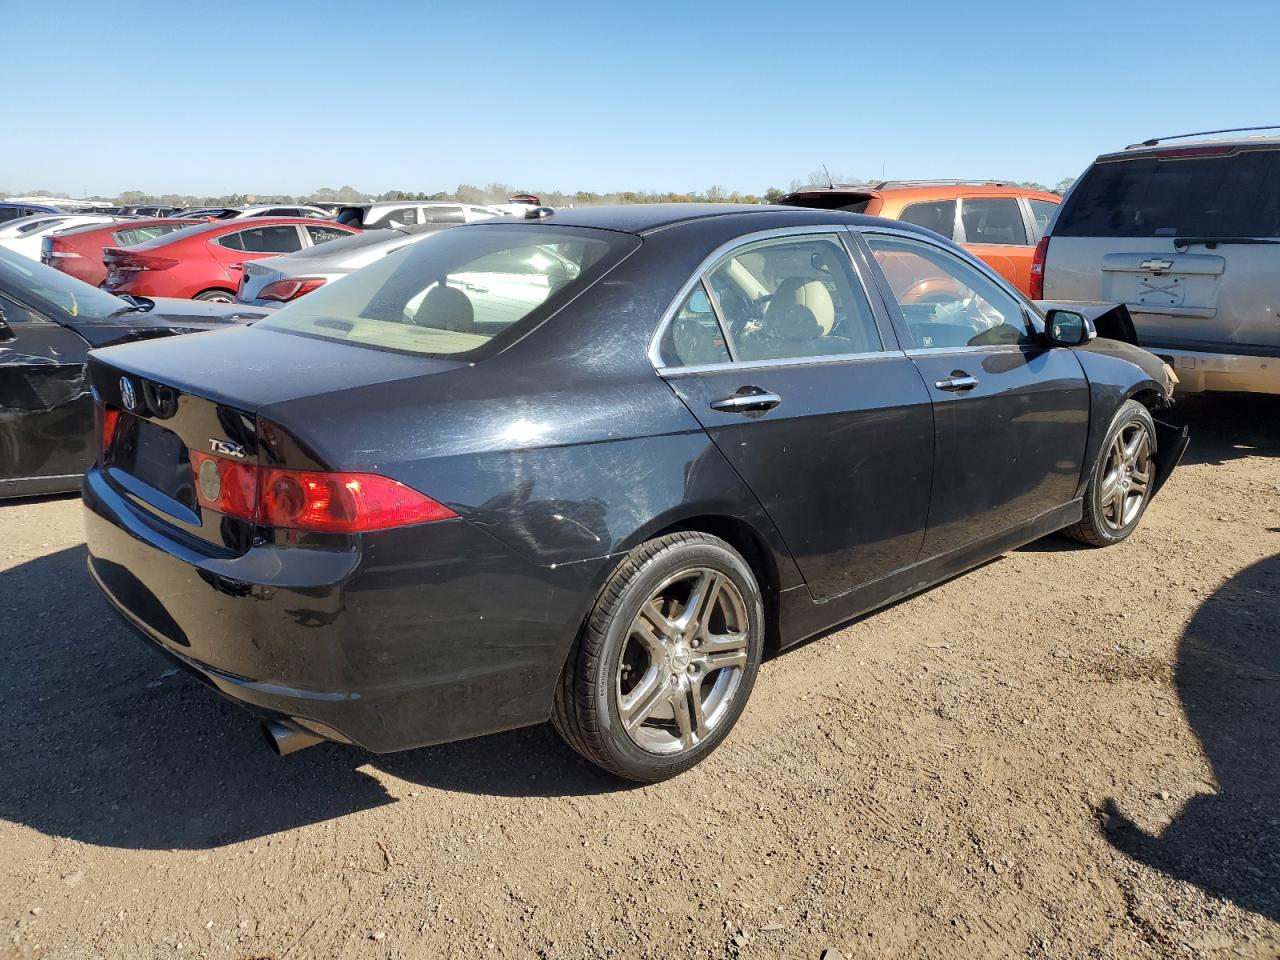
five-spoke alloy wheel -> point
(1122, 479)
(667, 659)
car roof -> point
(927, 191)
(227, 226)
(643, 218)
(1178, 147)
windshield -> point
(71, 298)
(455, 294)
(1236, 194)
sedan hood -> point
(163, 316)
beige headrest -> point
(805, 293)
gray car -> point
(274, 281)
(1187, 235)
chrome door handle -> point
(742, 402)
(957, 382)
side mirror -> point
(6, 331)
(1066, 328)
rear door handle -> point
(747, 400)
(958, 382)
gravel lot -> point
(1067, 753)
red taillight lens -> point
(108, 420)
(1037, 269)
(309, 499)
(226, 485)
(285, 290)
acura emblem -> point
(127, 396)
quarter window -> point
(946, 301)
(793, 297)
(936, 215)
(1042, 212)
(325, 234)
(693, 336)
(995, 220)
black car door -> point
(779, 353)
(46, 413)
(1011, 414)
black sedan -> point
(48, 323)
(591, 466)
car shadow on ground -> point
(1226, 426)
(107, 743)
(1228, 678)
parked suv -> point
(1187, 234)
(406, 213)
(998, 222)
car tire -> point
(215, 296)
(642, 654)
(1120, 485)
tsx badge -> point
(226, 448)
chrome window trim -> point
(825, 359)
(968, 348)
(719, 253)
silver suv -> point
(1187, 235)
(407, 213)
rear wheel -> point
(215, 296)
(1120, 487)
(666, 661)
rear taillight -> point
(108, 419)
(285, 290)
(126, 262)
(309, 499)
(1037, 268)
(53, 250)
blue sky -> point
(280, 96)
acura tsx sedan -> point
(591, 465)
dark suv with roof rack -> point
(998, 222)
(1186, 232)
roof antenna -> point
(830, 183)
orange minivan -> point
(997, 222)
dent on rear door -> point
(45, 408)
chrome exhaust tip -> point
(286, 737)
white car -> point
(407, 213)
(24, 234)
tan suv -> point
(997, 222)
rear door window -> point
(443, 215)
(1235, 194)
(992, 220)
(281, 238)
(936, 215)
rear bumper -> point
(414, 636)
(1200, 372)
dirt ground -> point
(1068, 753)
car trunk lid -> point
(165, 402)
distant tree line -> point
(491, 193)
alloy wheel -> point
(1126, 479)
(683, 661)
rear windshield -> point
(453, 295)
(1236, 195)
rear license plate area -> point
(157, 457)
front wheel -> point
(1120, 486)
(666, 661)
(215, 296)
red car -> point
(204, 262)
(79, 251)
